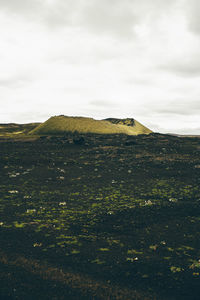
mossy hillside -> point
(13, 129)
(61, 124)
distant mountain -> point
(61, 124)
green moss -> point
(58, 125)
(19, 225)
(133, 251)
(104, 249)
(176, 269)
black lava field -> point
(100, 217)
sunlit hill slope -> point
(60, 124)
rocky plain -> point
(88, 216)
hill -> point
(13, 129)
(130, 123)
(60, 124)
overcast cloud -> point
(108, 58)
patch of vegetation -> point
(61, 124)
(12, 129)
(105, 219)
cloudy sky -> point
(108, 58)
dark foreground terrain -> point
(102, 217)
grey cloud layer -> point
(105, 16)
(22, 7)
(192, 11)
(111, 17)
(186, 68)
(127, 51)
(101, 103)
(180, 107)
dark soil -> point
(100, 217)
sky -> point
(110, 58)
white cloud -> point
(104, 58)
(192, 13)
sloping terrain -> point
(131, 123)
(63, 124)
(11, 129)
